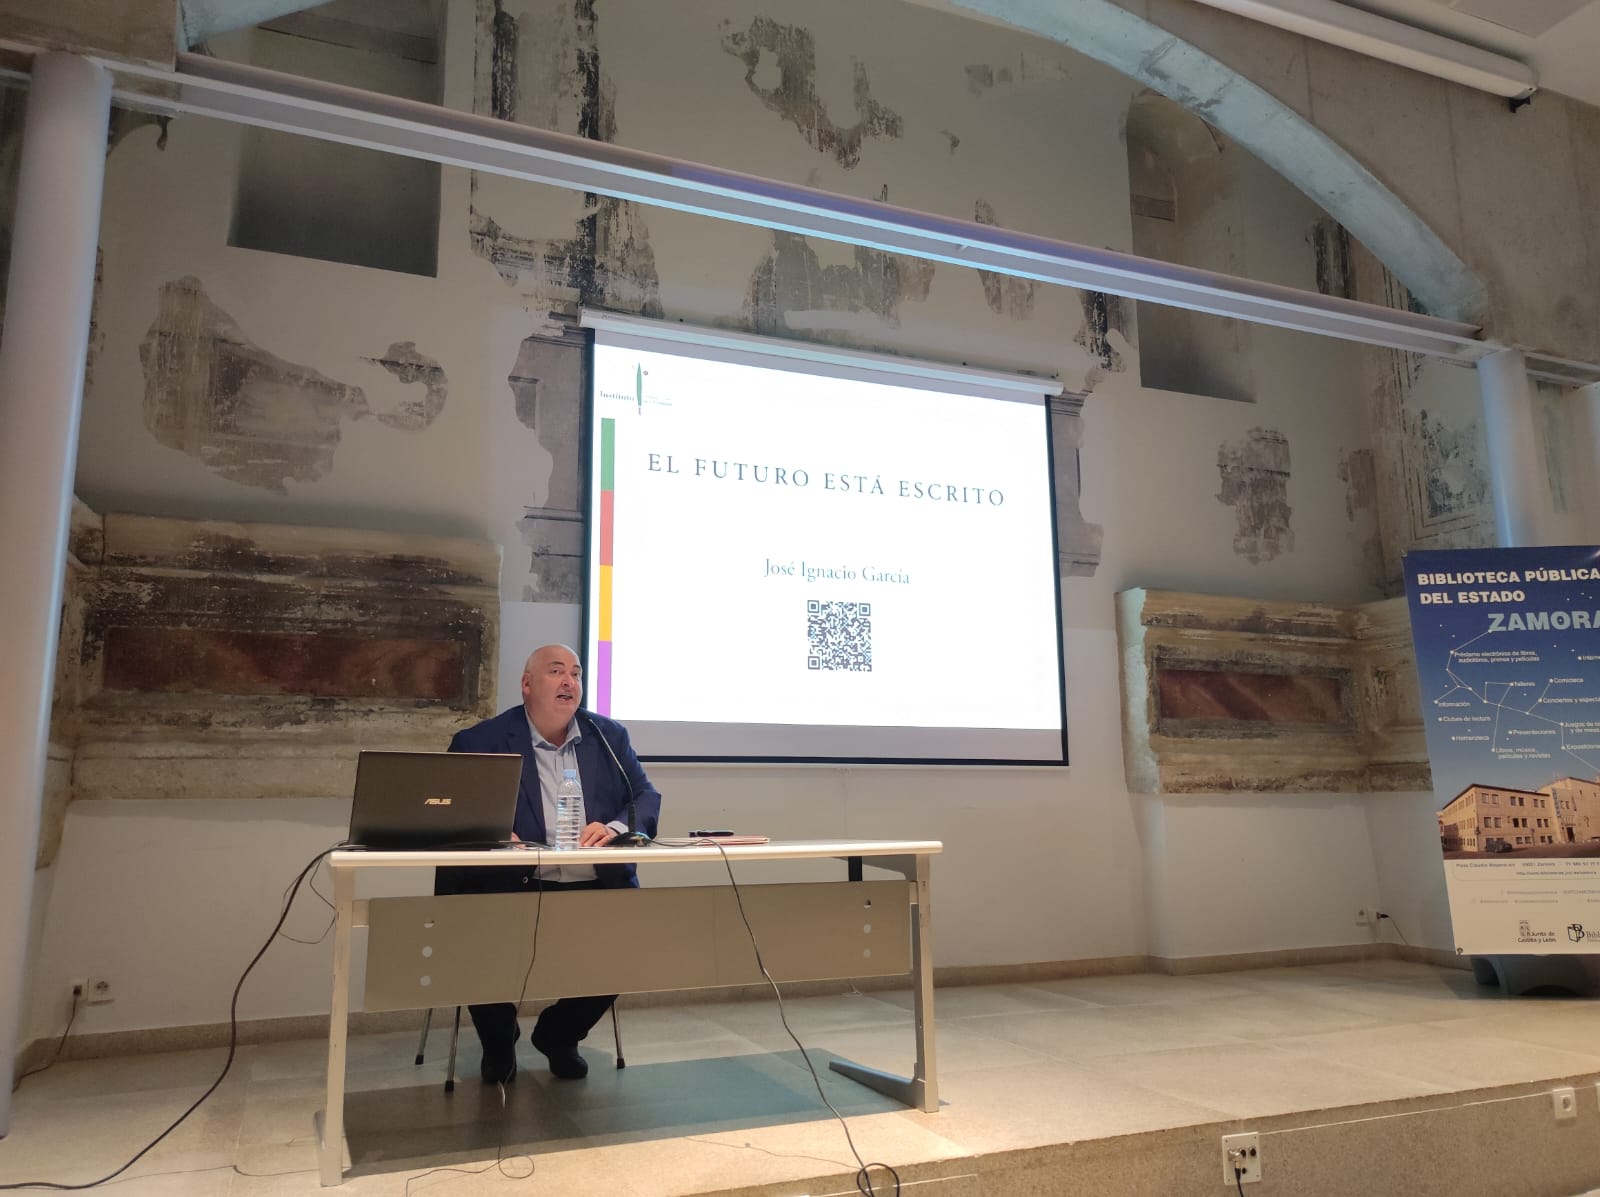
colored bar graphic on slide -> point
(608, 516)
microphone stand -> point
(630, 838)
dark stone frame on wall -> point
(214, 660)
(1223, 694)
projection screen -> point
(802, 553)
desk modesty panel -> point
(461, 948)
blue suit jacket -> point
(605, 791)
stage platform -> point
(1368, 1077)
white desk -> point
(457, 949)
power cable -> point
(863, 1177)
(499, 1160)
(333, 914)
(1381, 916)
(77, 998)
(233, 1044)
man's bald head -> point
(552, 688)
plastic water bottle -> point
(569, 811)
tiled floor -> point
(716, 1094)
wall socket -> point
(1564, 1102)
(1241, 1159)
(91, 991)
(1367, 916)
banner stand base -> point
(1518, 975)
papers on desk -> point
(701, 841)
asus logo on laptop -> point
(437, 801)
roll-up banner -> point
(1508, 659)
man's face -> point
(552, 686)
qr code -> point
(840, 634)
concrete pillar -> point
(1523, 514)
(42, 352)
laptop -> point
(417, 801)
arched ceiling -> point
(1255, 119)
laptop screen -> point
(434, 800)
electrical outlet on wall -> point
(99, 990)
(1367, 916)
(1564, 1101)
(1241, 1159)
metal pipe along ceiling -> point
(251, 95)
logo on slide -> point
(636, 394)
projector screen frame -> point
(915, 371)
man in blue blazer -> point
(552, 734)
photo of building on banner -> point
(1508, 660)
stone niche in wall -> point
(217, 660)
(1226, 694)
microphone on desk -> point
(631, 838)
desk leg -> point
(330, 1154)
(922, 1090)
(926, 1079)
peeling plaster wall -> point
(1009, 296)
(137, 30)
(1359, 473)
(1272, 522)
(1255, 483)
(780, 64)
(1514, 194)
(1189, 204)
(480, 380)
(987, 153)
(1429, 461)
(792, 277)
(247, 415)
(1570, 466)
(323, 199)
(588, 249)
(235, 384)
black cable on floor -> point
(499, 1160)
(500, 1149)
(863, 1174)
(233, 1044)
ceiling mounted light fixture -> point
(1392, 41)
